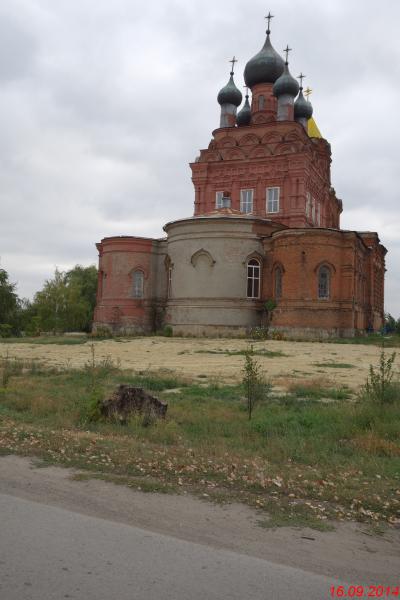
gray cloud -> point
(103, 105)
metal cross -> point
(247, 90)
(287, 50)
(307, 92)
(233, 61)
(269, 17)
(301, 77)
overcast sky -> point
(104, 103)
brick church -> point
(266, 226)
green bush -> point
(5, 330)
(380, 387)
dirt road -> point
(350, 553)
(193, 358)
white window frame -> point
(221, 200)
(138, 284)
(218, 199)
(273, 199)
(246, 200)
(253, 279)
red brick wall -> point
(116, 307)
(351, 304)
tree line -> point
(66, 303)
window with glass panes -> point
(218, 199)
(138, 284)
(246, 201)
(324, 276)
(253, 278)
(273, 200)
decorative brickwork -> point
(262, 196)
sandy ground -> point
(189, 358)
(350, 552)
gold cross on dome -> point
(269, 17)
(233, 61)
(286, 51)
(307, 92)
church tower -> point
(264, 162)
(266, 227)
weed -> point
(380, 387)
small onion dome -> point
(286, 84)
(244, 115)
(302, 108)
(264, 67)
(230, 94)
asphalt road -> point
(49, 553)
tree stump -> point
(128, 400)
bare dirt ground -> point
(191, 358)
(350, 552)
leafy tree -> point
(66, 302)
(8, 305)
(390, 323)
(86, 279)
(255, 386)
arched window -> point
(253, 278)
(138, 284)
(261, 102)
(278, 283)
(324, 281)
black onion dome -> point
(264, 67)
(286, 84)
(230, 94)
(302, 108)
(244, 115)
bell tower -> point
(266, 159)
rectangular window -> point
(222, 200)
(273, 199)
(308, 205)
(313, 210)
(218, 199)
(246, 201)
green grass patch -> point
(314, 390)
(373, 339)
(313, 461)
(334, 365)
(59, 340)
(259, 352)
